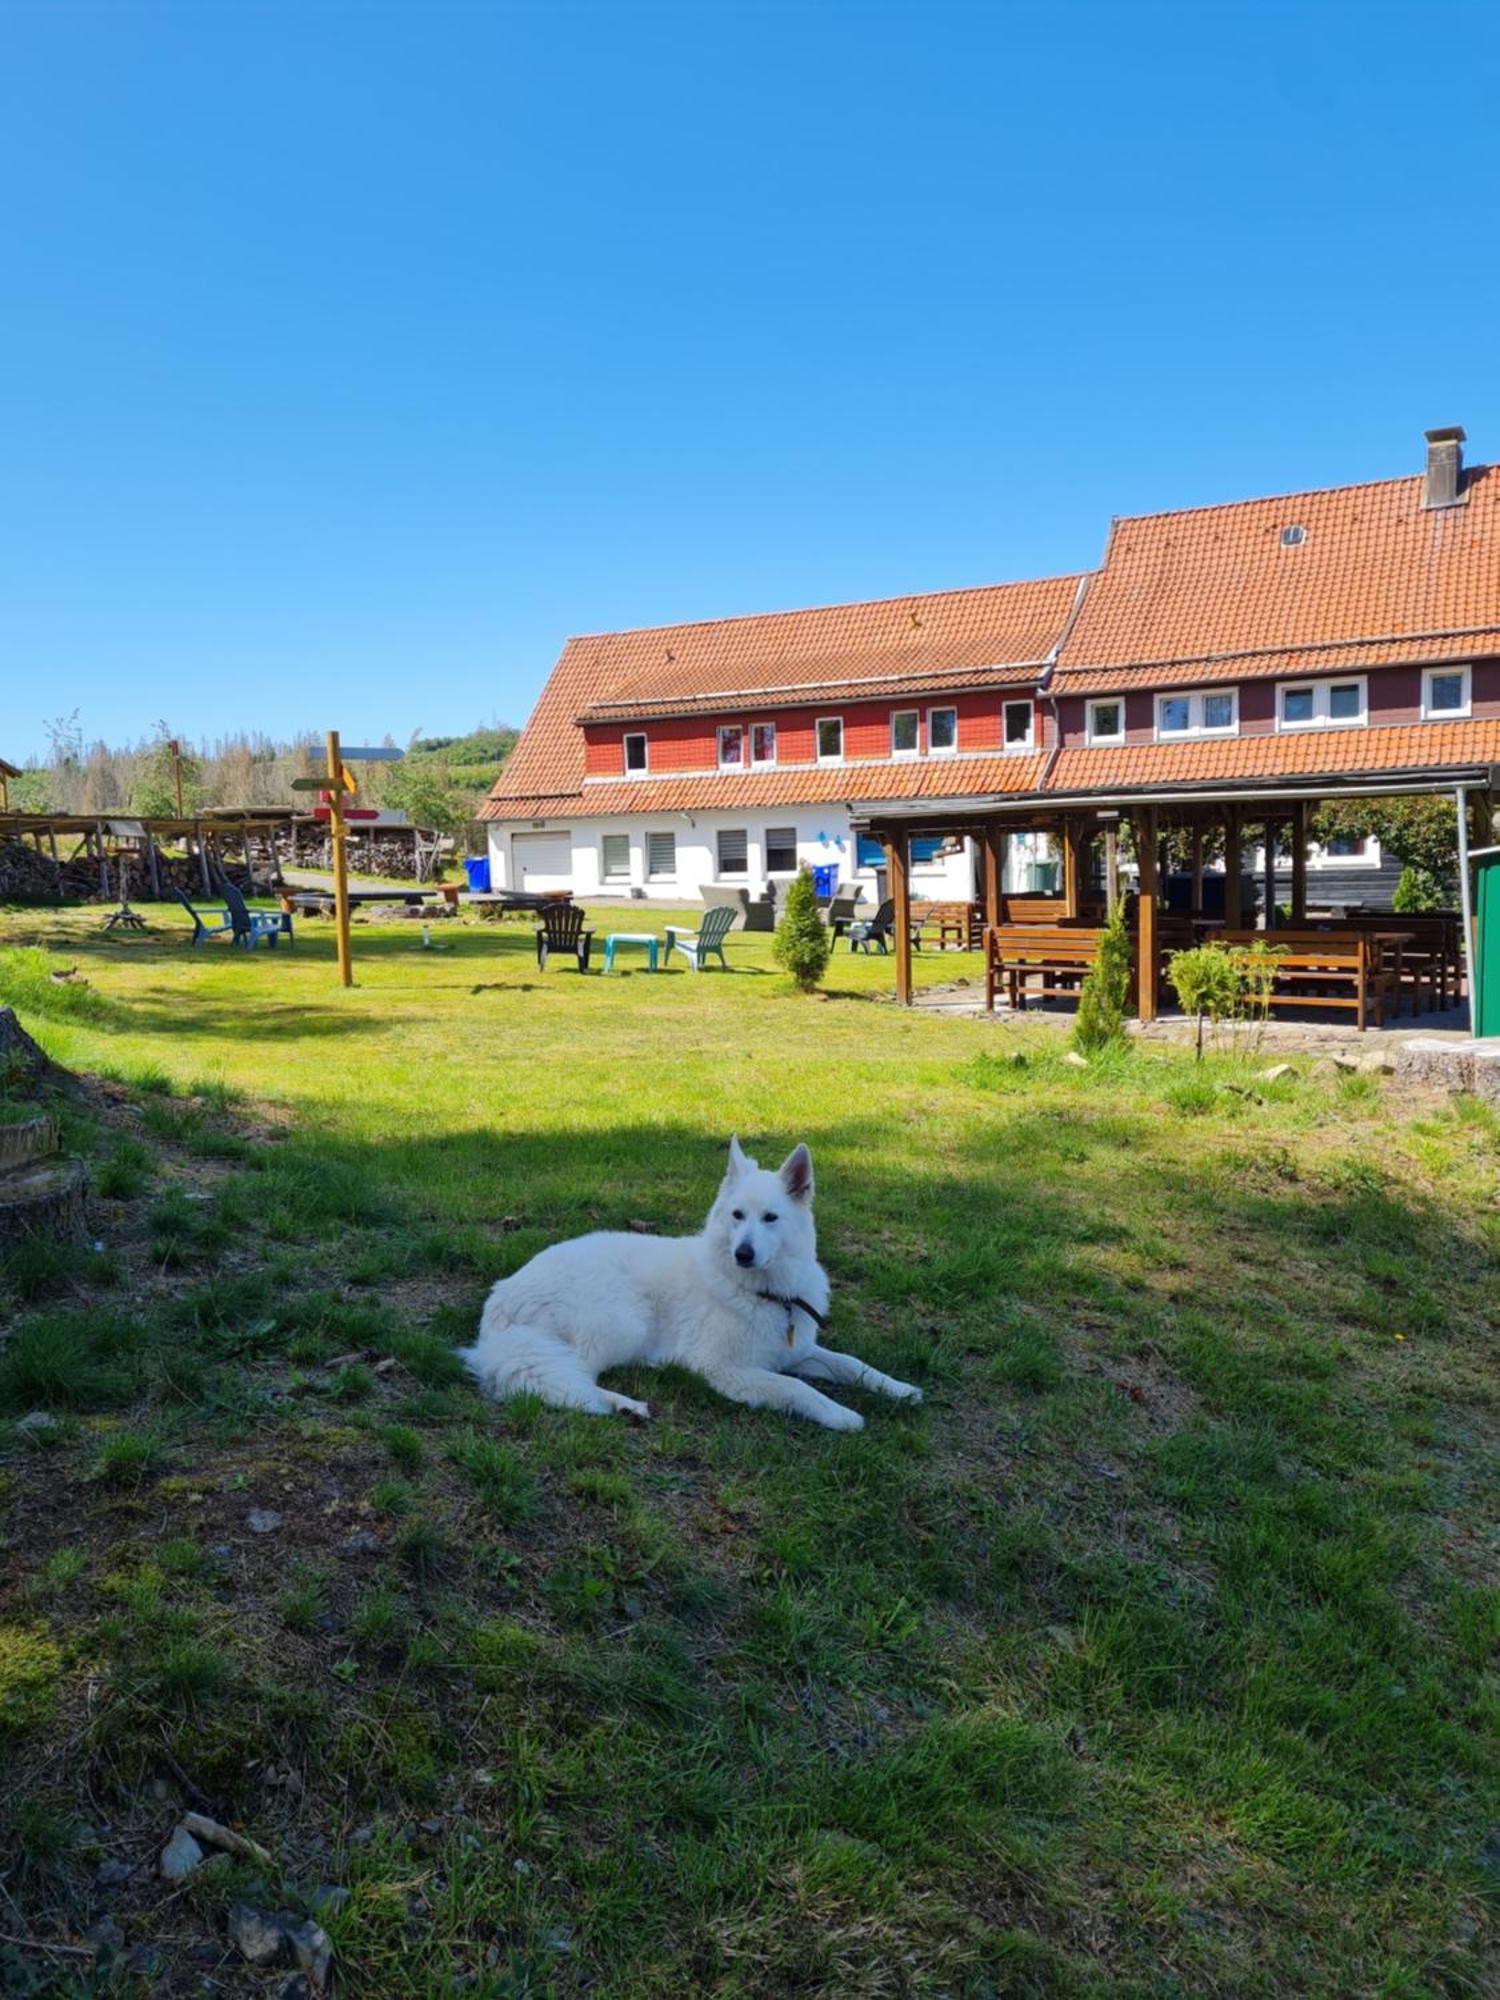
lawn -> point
(1155, 1654)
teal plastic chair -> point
(709, 937)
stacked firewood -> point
(27, 876)
(400, 852)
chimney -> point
(1444, 484)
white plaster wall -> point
(823, 839)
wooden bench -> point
(1042, 960)
(960, 925)
(1346, 970)
(1432, 960)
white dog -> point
(741, 1304)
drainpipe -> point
(1466, 900)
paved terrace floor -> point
(1293, 1031)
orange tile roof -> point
(1209, 593)
(1314, 753)
(953, 638)
(795, 784)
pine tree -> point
(802, 940)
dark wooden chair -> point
(878, 929)
(561, 929)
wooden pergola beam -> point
(899, 877)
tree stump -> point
(21, 1061)
(43, 1199)
(30, 1139)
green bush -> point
(1105, 993)
(802, 942)
(1419, 890)
(1206, 980)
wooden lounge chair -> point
(250, 926)
(696, 946)
(561, 929)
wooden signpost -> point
(338, 785)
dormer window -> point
(1445, 694)
(1206, 712)
(942, 732)
(1321, 704)
(1105, 721)
(731, 747)
(1018, 718)
(635, 755)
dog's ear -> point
(738, 1160)
(797, 1174)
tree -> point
(1105, 992)
(1420, 833)
(1206, 980)
(153, 785)
(802, 943)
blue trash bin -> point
(477, 868)
(826, 879)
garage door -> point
(542, 860)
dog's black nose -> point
(744, 1254)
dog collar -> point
(794, 1305)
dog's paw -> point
(840, 1419)
(906, 1392)
(627, 1406)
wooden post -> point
(1197, 890)
(1145, 941)
(208, 887)
(337, 835)
(994, 874)
(1070, 867)
(1112, 867)
(1300, 815)
(1268, 863)
(103, 864)
(151, 869)
(896, 869)
(1234, 915)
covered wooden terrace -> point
(1275, 815)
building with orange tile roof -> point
(1274, 650)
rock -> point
(180, 1856)
(1277, 1072)
(313, 1951)
(263, 1521)
(112, 1871)
(259, 1939)
(1075, 1061)
(34, 1422)
(361, 1543)
(329, 1899)
(106, 1935)
(1378, 1062)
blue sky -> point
(353, 356)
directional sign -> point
(374, 756)
(349, 812)
(311, 785)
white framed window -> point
(763, 743)
(830, 739)
(661, 857)
(1322, 704)
(942, 732)
(1018, 721)
(731, 746)
(734, 851)
(781, 850)
(614, 857)
(1105, 721)
(1445, 693)
(1200, 712)
(905, 731)
(635, 755)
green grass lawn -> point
(1154, 1655)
